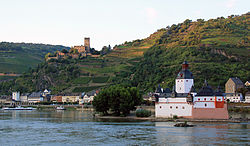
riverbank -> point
(154, 119)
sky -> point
(106, 22)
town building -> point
(247, 97)
(56, 98)
(233, 84)
(24, 97)
(35, 97)
(234, 97)
(70, 98)
(247, 84)
(185, 102)
(88, 97)
(16, 96)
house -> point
(46, 92)
(247, 97)
(88, 97)
(16, 96)
(70, 98)
(247, 84)
(35, 97)
(24, 97)
(185, 102)
(233, 84)
(234, 97)
(56, 98)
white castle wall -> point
(206, 101)
(173, 106)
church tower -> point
(184, 80)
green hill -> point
(215, 49)
(19, 57)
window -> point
(205, 105)
(183, 107)
(171, 107)
(211, 99)
(199, 99)
(160, 106)
(205, 99)
(186, 80)
(176, 107)
(219, 99)
(181, 81)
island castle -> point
(185, 102)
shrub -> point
(175, 117)
(143, 113)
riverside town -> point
(124, 73)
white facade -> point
(183, 85)
(169, 107)
(24, 98)
(247, 98)
(238, 97)
(16, 96)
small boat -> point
(60, 108)
(19, 108)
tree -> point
(118, 99)
(65, 51)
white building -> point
(234, 97)
(247, 97)
(179, 103)
(184, 80)
(185, 102)
(16, 96)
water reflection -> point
(79, 128)
(204, 133)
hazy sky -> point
(67, 22)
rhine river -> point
(79, 128)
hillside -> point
(19, 57)
(216, 50)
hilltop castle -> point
(75, 52)
(84, 50)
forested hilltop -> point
(19, 57)
(216, 50)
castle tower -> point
(184, 80)
(87, 44)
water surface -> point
(79, 128)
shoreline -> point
(154, 119)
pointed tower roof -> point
(158, 89)
(218, 91)
(192, 90)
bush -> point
(175, 117)
(142, 113)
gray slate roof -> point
(237, 81)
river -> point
(79, 128)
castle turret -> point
(184, 80)
(87, 44)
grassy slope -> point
(19, 57)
